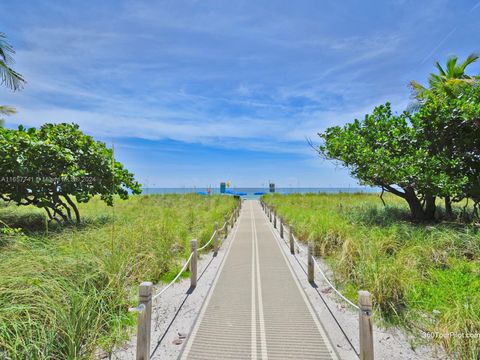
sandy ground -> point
(176, 311)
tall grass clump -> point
(65, 292)
(424, 277)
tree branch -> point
(391, 189)
(381, 196)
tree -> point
(383, 150)
(50, 166)
(9, 77)
(451, 123)
(448, 82)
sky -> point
(196, 92)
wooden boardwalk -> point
(256, 308)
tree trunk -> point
(57, 211)
(430, 208)
(448, 207)
(74, 207)
(417, 210)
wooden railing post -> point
(365, 325)
(193, 263)
(270, 215)
(311, 272)
(292, 245)
(215, 241)
(281, 228)
(226, 226)
(274, 219)
(144, 320)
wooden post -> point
(365, 325)
(270, 215)
(215, 240)
(311, 273)
(226, 226)
(144, 320)
(193, 263)
(292, 244)
(281, 228)
(275, 220)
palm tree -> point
(9, 77)
(447, 79)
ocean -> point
(249, 193)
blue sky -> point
(196, 92)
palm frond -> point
(435, 81)
(10, 78)
(440, 69)
(6, 50)
(418, 89)
(451, 66)
(469, 60)
(7, 110)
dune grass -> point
(424, 277)
(65, 292)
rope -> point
(175, 279)
(333, 287)
(208, 242)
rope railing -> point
(282, 226)
(184, 267)
(364, 306)
(144, 309)
(323, 273)
(331, 285)
(209, 241)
